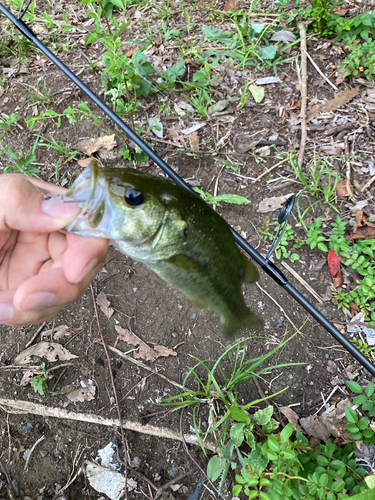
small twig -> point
(368, 184)
(279, 306)
(348, 166)
(35, 335)
(354, 323)
(71, 481)
(242, 176)
(10, 484)
(302, 281)
(216, 186)
(31, 450)
(320, 71)
(269, 170)
(174, 481)
(302, 28)
(326, 401)
(113, 388)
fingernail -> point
(38, 300)
(87, 270)
(6, 312)
(55, 207)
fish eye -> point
(133, 197)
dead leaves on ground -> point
(143, 350)
(51, 351)
(104, 305)
(340, 99)
(90, 146)
(363, 231)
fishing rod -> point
(264, 263)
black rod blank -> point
(267, 266)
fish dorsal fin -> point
(251, 272)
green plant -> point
(315, 236)
(337, 241)
(34, 94)
(22, 164)
(365, 349)
(360, 59)
(287, 238)
(358, 428)
(53, 144)
(365, 398)
(40, 381)
(216, 200)
(362, 257)
(71, 114)
(213, 392)
(6, 121)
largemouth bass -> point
(173, 232)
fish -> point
(173, 232)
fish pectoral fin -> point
(251, 272)
(184, 263)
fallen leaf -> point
(295, 104)
(369, 333)
(334, 268)
(158, 40)
(108, 481)
(335, 420)
(363, 231)
(231, 5)
(156, 126)
(131, 51)
(341, 11)
(340, 76)
(331, 149)
(181, 107)
(266, 152)
(194, 141)
(90, 146)
(340, 99)
(257, 93)
(360, 205)
(104, 304)
(267, 80)
(85, 162)
(291, 416)
(79, 394)
(193, 128)
(314, 426)
(144, 351)
(27, 376)
(343, 188)
(218, 107)
(51, 351)
(284, 36)
(245, 145)
(272, 204)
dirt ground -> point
(158, 314)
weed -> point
(40, 381)
(34, 94)
(365, 349)
(315, 236)
(7, 121)
(52, 144)
(288, 236)
(358, 428)
(216, 200)
(22, 164)
(71, 114)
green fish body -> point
(173, 232)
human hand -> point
(42, 270)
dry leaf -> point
(27, 376)
(130, 52)
(79, 394)
(291, 416)
(363, 231)
(343, 188)
(340, 76)
(272, 204)
(85, 162)
(331, 149)
(335, 420)
(108, 481)
(266, 152)
(49, 350)
(158, 40)
(313, 426)
(245, 146)
(193, 128)
(144, 351)
(340, 99)
(341, 11)
(104, 304)
(295, 104)
(90, 146)
(194, 141)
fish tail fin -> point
(234, 323)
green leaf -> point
(363, 423)
(268, 52)
(240, 479)
(237, 434)
(176, 70)
(273, 443)
(257, 93)
(236, 490)
(239, 415)
(264, 496)
(288, 454)
(370, 481)
(351, 415)
(286, 432)
(215, 467)
(322, 247)
(322, 460)
(329, 449)
(262, 417)
(353, 386)
(368, 433)
(370, 389)
(360, 400)
(230, 198)
(249, 438)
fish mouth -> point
(89, 192)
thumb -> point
(23, 207)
